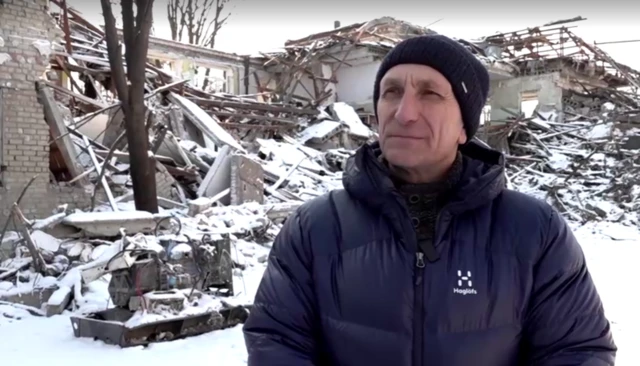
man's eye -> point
(391, 91)
(429, 93)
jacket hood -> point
(483, 179)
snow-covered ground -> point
(611, 249)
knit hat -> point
(469, 79)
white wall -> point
(355, 83)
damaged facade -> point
(558, 70)
(25, 53)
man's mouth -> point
(406, 137)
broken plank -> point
(255, 117)
(77, 96)
(254, 106)
(38, 262)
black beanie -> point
(469, 79)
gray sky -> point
(263, 25)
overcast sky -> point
(266, 24)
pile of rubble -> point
(197, 139)
(133, 277)
(588, 168)
(229, 170)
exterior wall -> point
(25, 30)
(507, 93)
(355, 83)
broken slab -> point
(44, 241)
(109, 223)
(35, 298)
(201, 204)
(320, 132)
(218, 177)
(205, 123)
(347, 115)
(58, 131)
(58, 301)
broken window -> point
(486, 114)
(528, 103)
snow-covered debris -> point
(4, 57)
(319, 131)
(581, 167)
(349, 117)
(207, 123)
(45, 241)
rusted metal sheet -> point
(109, 326)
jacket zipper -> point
(418, 308)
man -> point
(425, 258)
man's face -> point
(420, 122)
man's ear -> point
(462, 137)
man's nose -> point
(408, 109)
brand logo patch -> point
(465, 284)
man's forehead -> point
(422, 75)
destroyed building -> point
(558, 70)
(59, 123)
(549, 65)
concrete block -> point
(162, 301)
(35, 299)
(247, 180)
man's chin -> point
(404, 160)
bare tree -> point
(130, 89)
(201, 19)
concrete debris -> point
(587, 167)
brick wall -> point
(26, 30)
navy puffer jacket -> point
(347, 285)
